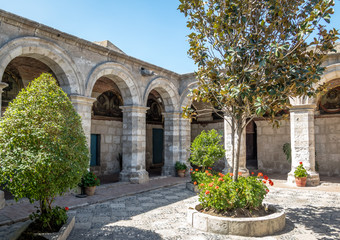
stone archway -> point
(171, 117)
(49, 54)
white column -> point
(83, 106)
(134, 144)
(303, 142)
(228, 147)
(171, 142)
(2, 195)
(185, 139)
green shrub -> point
(197, 176)
(52, 221)
(219, 192)
(206, 149)
(43, 148)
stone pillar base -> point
(169, 171)
(138, 177)
(313, 178)
(2, 199)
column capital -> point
(3, 85)
(134, 108)
(172, 114)
(79, 99)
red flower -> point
(217, 187)
(207, 192)
(95, 179)
(195, 183)
(239, 173)
(221, 179)
(190, 169)
(211, 184)
(209, 174)
(260, 174)
(192, 172)
(231, 174)
(264, 181)
(265, 177)
(267, 190)
(206, 171)
(66, 208)
(300, 163)
(221, 174)
(252, 173)
(196, 170)
(270, 182)
(209, 168)
(202, 184)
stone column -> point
(228, 147)
(303, 142)
(2, 86)
(2, 195)
(171, 142)
(185, 140)
(83, 106)
(134, 144)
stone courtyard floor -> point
(160, 213)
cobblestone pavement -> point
(161, 214)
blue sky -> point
(151, 30)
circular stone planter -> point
(250, 227)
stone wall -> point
(270, 156)
(327, 145)
(110, 145)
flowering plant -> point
(300, 171)
(219, 192)
(90, 180)
(198, 175)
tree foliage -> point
(253, 56)
(43, 148)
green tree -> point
(43, 148)
(253, 56)
(206, 149)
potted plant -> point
(89, 182)
(181, 168)
(300, 175)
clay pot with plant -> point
(89, 182)
(180, 168)
(300, 175)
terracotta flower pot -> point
(181, 173)
(89, 191)
(301, 182)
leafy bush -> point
(206, 149)
(43, 148)
(90, 180)
(300, 171)
(219, 192)
(198, 176)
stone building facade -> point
(131, 109)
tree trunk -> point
(237, 145)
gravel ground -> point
(161, 214)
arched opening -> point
(106, 130)
(251, 146)
(18, 74)
(154, 153)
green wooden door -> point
(95, 149)
(157, 146)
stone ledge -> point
(63, 233)
(194, 188)
(250, 227)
